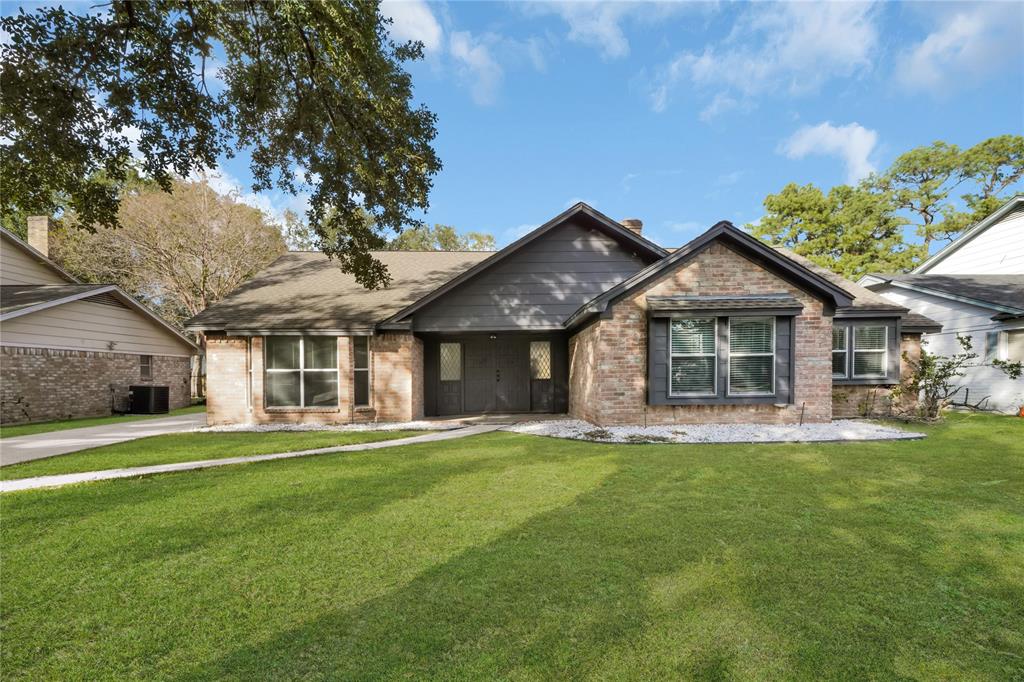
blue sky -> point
(683, 114)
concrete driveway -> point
(40, 445)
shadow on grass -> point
(652, 574)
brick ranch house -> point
(582, 316)
(70, 349)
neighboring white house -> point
(69, 349)
(973, 287)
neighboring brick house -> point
(69, 349)
(582, 316)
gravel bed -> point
(843, 430)
(368, 426)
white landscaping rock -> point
(843, 430)
(368, 426)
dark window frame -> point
(658, 392)
(892, 352)
(362, 372)
(302, 370)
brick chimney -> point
(39, 233)
(634, 225)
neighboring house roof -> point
(1014, 204)
(17, 300)
(1001, 293)
(22, 245)
(21, 299)
(306, 290)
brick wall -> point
(875, 400)
(396, 383)
(41, 384)
(608, 359)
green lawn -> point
(16, 430)
(190, 447)
(506, 556)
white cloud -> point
(477, 64)
(719, 105)
(273, 204)
(794, 47)
(852, 143)
(600, 24)
(969, 46)
(413, 20)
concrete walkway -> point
(40, 445)
(68, 479)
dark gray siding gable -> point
(537, 287)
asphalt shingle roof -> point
(1002, 290)
(307, 290)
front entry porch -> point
(494, 373)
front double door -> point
(497, 374)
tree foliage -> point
(938, 191)
(441, 238)
(934, 379)
(178, 252)
(849, 230)
(313, 85)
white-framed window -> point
(301, 371)
(870, 350)
(361, 370)
(693, 357)
(751, 356)
(840, 352)
(145, 366)
(991, 346)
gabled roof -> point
(579, 209)
(751, 247)
(1000, 293)
(305, 290)
(1011, 206)
(17, 300)
(34, 253)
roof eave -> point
(969, 235)
(723, 229)
(956, 297)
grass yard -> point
(16, 430)
(506, 556)
(190, 447)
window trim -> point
(714, 354)
(884, 351)
(301, 371)
(145, 367)
(728, 363)
(369, 378)
(845, 328)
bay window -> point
(751, 355)
(301, 371)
